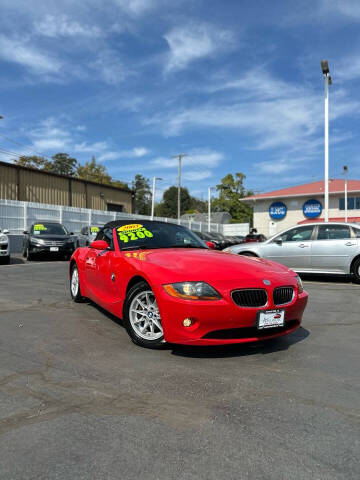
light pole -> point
(327, 78)
(345, 188)
(153, 196)
(179, 157)
(209, 207)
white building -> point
(281, 209)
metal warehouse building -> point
(281, 209)
(31, 185)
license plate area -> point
(270, 319)
(54, 249)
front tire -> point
(75, 285)
(5, 260)
(28, 255)
(356, 270)
(142, 317)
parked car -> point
(207, 237)
(254, 237)
(4, 247)
(87, 235)
(167, 286)
(332, 248)
(234, 240)
(50, 238)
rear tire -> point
(142, 318)
(75, 291)
(356, 270)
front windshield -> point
(48, 229)
(150, 235)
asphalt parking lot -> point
(80, 401)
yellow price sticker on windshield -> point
(94, 229)
(39, 227)
(133, 232)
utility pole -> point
(327, 79)
(179, 157)
(153, 196)
(345, 192)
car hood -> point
(175, 265)
(51, 237)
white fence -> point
(232, 229)
(18, 216)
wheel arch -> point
(248, 253)
(353, 263)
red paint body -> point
(222, 271)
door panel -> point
(295, 249)
(333, 249)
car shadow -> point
(317, 277)
(263, 347)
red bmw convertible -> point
(168, 286)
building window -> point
(114, 207)
(352, 203)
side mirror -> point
(279, 241)
(25, 232)
(99, 245)
(5, 231)
(210, 245)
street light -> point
(153, 196)
(209, 207)
(179, 157)
(345, 168)
(327, 78)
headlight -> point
(300, 284)
(192, 291)
(36, 241)
(3, 238)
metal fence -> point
(18, 216)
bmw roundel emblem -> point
(267, 282)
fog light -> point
(187, 322)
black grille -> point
(254, 297)
(283, 295)
(4, 246)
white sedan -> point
(4, 247)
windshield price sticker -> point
(133, 232)
(94, 229)
(39, 227)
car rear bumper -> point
(222, 322)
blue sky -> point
(235, 84)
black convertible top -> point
(130, 221)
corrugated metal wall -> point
(33, 186)
(8, 182)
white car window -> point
(299, 234)
(357, 232)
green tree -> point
(33, 161)
(94, 171)
(63, 164)
(231, 190)
(168, 206)
(143, 195)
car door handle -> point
(303, 245)
(349, 244)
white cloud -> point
(96, 147)
(196, 176)
(193, 42)
(136, 7)
(50, 137)
(21, 52)
(348, 8)
(195, 158)
(136, 152)
(109, 67)
(61, 26)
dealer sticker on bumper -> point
(271, 319)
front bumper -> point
(222, 322)
(47, 250)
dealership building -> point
(281, 209)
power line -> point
(23, 145)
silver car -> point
(4, 247)
(87, 235)
(332, 248)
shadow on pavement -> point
(242, 349)
(313, 277)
